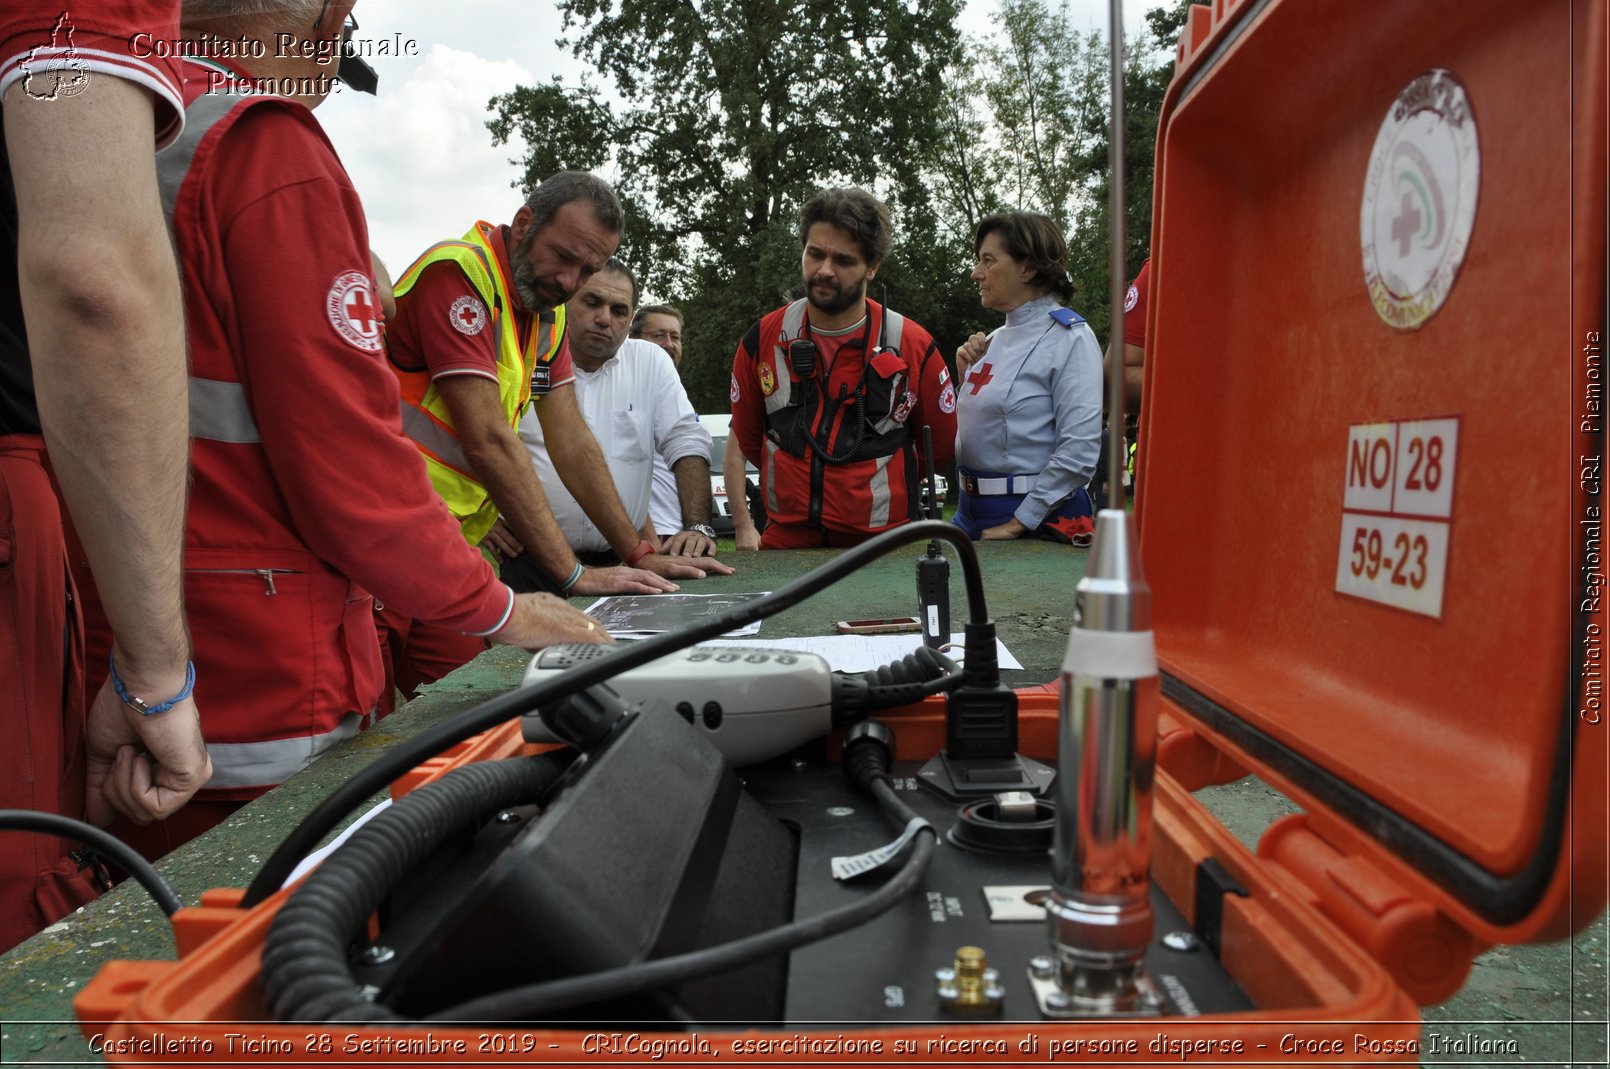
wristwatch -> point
(702, 528)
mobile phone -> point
(894, 625)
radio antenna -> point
(1117, 454)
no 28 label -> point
(1397, 508)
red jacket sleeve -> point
(1135, 303)
(936, 399)
(442, 324)
(748, 405)
(327, 406)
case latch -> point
(1426, 953)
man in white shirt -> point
(631, 397)
(662, 325)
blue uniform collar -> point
(1028, 312)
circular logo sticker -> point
(467, 314)
(353, 310)
(1419, 200)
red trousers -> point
(415, 654)
(41, 700)
(803, 536)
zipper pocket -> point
(265, 574)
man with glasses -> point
(662, 324)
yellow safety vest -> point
(425, 416)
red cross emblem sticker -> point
(979, 377)
(354, 312)
(467, 314)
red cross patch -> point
(354, 312)
(467, 314)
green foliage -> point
(733, 112)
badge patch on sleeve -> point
(1131, 298)
(354, 312)
(733, 393)
(541, 378)
(947, 398)
(467, 314)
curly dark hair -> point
(855, 211)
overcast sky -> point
(420, 153)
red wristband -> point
(644, 548)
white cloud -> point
(420, 154)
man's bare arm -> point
(693, 492)
(503, 465)
(1134, 375)
(744, 531)
(582, 468)
(100, 297)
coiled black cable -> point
(867, 762)
(516, 703)
(306, 973)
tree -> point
(734, 112)
(1043, 145)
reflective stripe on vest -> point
(882, 495)
(425, 416)
(893, 326)
(264, 764)
(793, 324)
(218, 409)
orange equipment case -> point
(1402, 637)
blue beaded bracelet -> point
(139, 703)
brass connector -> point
(969, 988)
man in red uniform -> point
(306, 497)
(103, 348)
(829, 392)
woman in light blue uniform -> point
(1028, 421)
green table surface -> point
(1551, 997)
(1029, 587)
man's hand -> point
(1011, 529)
(746, 536)
(144, 767)
(621, 580)
(688, 544)
(502, 541)
(540, 620)
(682, 567)
(969, 353)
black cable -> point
(114, 848)
(427, 744)
(538, 1000)
(306, 972)
(868, 768)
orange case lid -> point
(1373, 535)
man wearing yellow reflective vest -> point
(479, 334)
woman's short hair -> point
(1036, 240)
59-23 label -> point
(1396, 512)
